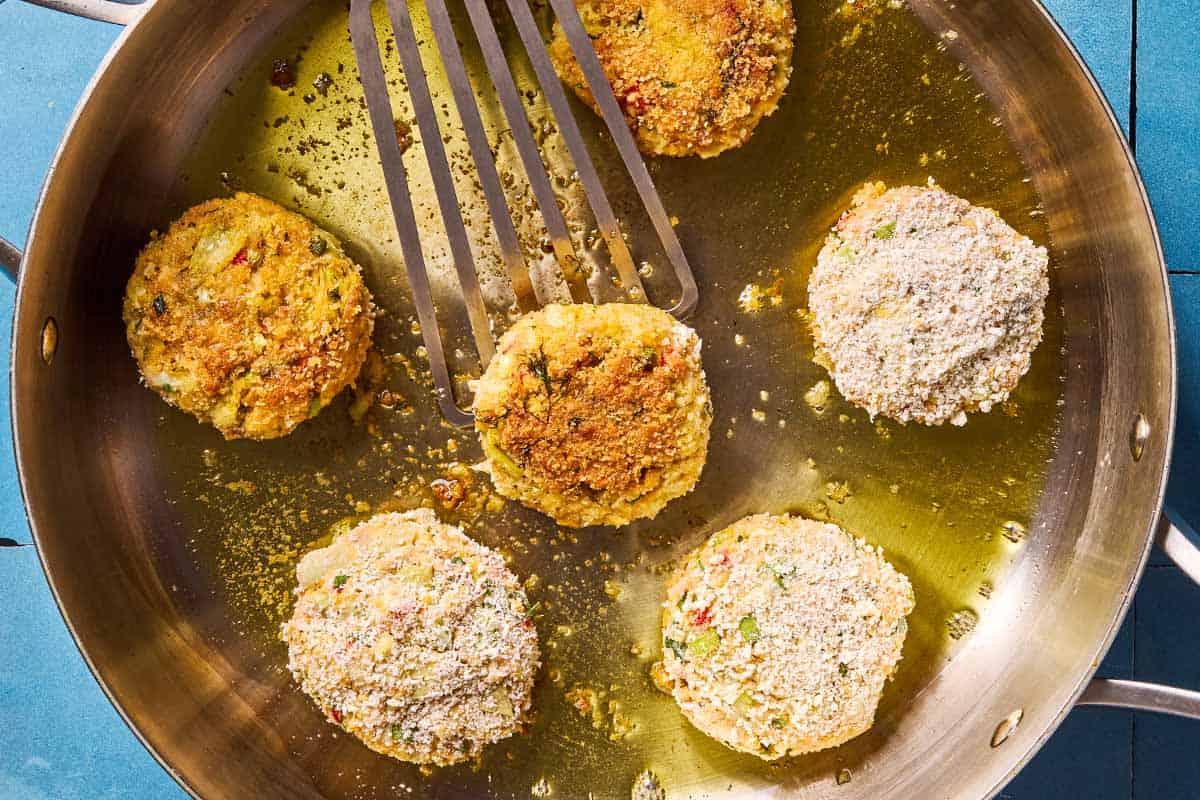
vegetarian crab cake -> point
(247, 316)
(693, 77)
(925, 307)
(595, 415)
(779, 633)
(414, 639)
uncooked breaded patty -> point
(247, 316)
(413, 638)
(595, 415)
(694, 77)
(779, 634)
(925, 307)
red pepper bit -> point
(335, 715)
(241, 257)
(702, 617)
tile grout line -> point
(1133, 42)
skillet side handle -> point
(102, 10)
(1153, 696)
(10, 259)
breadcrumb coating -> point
(413, 638)
(595, 415)
(925, 307)
(779, 634)
(248, 316)
(693, 77)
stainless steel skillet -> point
(95, 460)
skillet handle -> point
(1154, 696)
(102, 10)
(10, 259)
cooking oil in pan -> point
(873, 96)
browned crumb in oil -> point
(404, 136)
(605, 712)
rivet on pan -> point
(49, 339)
(1138, 436)
(1006, 727)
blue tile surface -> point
(1167, 645)
(1168, 122)
(59, 738)
(1101, 31)
(1185, 471)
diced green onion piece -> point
(749, 628)
(705, 643)
(417, 574)
(744, 703)
(885, 231)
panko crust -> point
(693, 77)
(779, 634)
(595, 415)
(924, 307)
(414, 639)
(247, 316)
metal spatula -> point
(375, 90)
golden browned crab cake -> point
(247, 316)
(925, 307)
(779, 634)
(694, 77)
(414, 639)
(595, 415)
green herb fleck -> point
(648, 358)
(401, 735)
(778, 575)
(160, 305)
(340, 580)
(885, 231)
(533, 609)
(843, 669)
(778, 722)
(675, 647)
(668, 84)
(457, 560)
(541, 370)
(317, 245)
(845, 251)
(749, 628)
